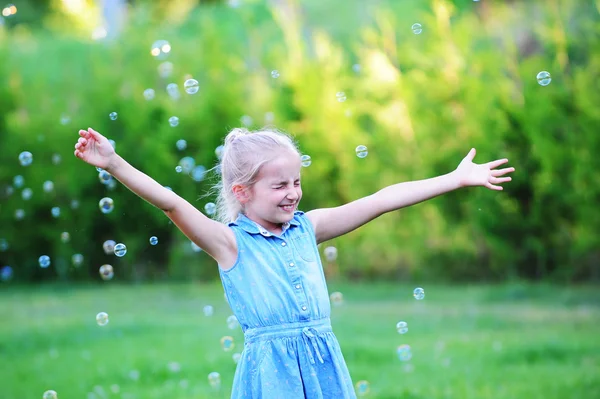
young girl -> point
(267, 252)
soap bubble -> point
(109, 247)
(19, 214)
(104, 177)
(337, 298)
(419, 293)
(106, 272)
(26, 194)
(178, 168)
(275, 74)
(106, 205)
(18, 181)
(198, 173)
(165, 69)
(214, 379)
(208, 310)
(173, 121)
(341, 96)
(48, 186)
(44, 261)
(362, 388)
(113, 116)
(149, 94)
(187, 163)
(404, 352)
(181, 144)
(210, 208)
(102, 319)
(65, 237)
(219, 151)
(227, 343)
(120, 250)
(362, 151)
(160, 49)
(402, 327)
(195, 247)
(246, 120)
(77, 260)
(417, 28)
(50, 395)
(191, 86)
(173, 91)
(153, 240)
(55, 211)
(236, 357)
(305, 160)
(65, 119)
(330, 253)
(232, 322)
(25, 158)
(356, 68)
(544, 78)
(3, 245)
(6, 273)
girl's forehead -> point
(282, 167)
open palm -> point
(472, 174)
(94, 148)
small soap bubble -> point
(55, 211)
(149, 94)
(362, 151)
(153, 240)
(48, 186)
(336, 298)
(109, 247)
(305, 160)
(113, 116)
(44, 261)
(56, 159)
(26, 194)
(417, 28)
(232, 322)
(6, 273)
(210, 208)
(25, 158)
(419, 293)
(362, 388)
(330, 253)
(246, 120)
(208, 310)
(77, 260)
(104, 177)
(195, 247)
(181, 144)
(65, 119)
(178, 168)
(402, 327)
(106, 272)
(74, 204)
(165, 69)
(544, 78)
(219, 151)
(404, 352)
(174, 367)
(65, 237)
(269, 117)
(236, 357)
(102, 319)
(112, 143)
(3, 245)
(50, 395)
(275, 74)
(106, 205)
(18, 181)
(214, 379)
(227, 343)
(191, 86)
(19, 214)
(173, 121)
(160, 49)
(356, 68)
(120, 250)
(134, 375)
(341, 96)
(198, 173)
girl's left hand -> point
(472, 174)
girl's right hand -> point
(94, 148)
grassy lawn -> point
(496, 342)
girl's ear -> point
(241, 193)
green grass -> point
(510, 341)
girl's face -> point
(272, 200)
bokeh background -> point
(512, 306)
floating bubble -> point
(210, 208)
(362, 151)
(214, 379)
(191, 86)
(109, 247)
(74, 204)
(198, 173)
(336, 298)
(44, 261)
(106, 205)
(65, 119)
(104, 177)
(227, 343)
(25, 158)
(232, 322)
(26, 194)
(417, 28)
(106, 272)
(402, 327)
(134, 375)
(236, 357)
(50, 395)
(120, 250)
(178, 168)
(173, 91)
(55, 211)
(102, 319)
(6, 273)
(404, 352)
(112, 143)
(160, 49)
(341, 96)
(269, 117)
(165, 69)
(174, 367)
(544, 78)
(246, 120)
(3, 245)
(77, 260)
(153, 240)
(275, 74)
(187, 163)
(48, 186)
(356, 68)
(56, 159)
(219, 151)
(330, 253)
(208, 310)
(65, 237)
(195, 247)
(113, 116)
(149, 94)
(173, 121)
(19, 214)
(181, 144)
(362, 388)
(419, 293)
(305, 160)
(18, 181)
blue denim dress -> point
(277, 291)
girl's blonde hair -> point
(244, 152)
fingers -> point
(493, 187)
(498, 180)
(471, 154)
(500, 172)
(496, 163)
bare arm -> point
(213, 237)
(333, 222)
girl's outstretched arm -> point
(213, 237)
(333, 222)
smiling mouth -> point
(288, 208)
